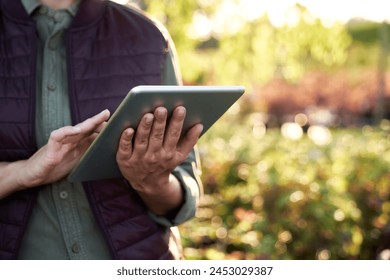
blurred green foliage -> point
(367, 32)
(268, 197)
(256, 52)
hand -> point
(148, 161)
(64, 149)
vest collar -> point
(89, 11)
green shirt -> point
(62, 225)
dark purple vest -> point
(110, 49)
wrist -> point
(163, 196)
(20, 170)
(24, 175)
(155, 186)
(11, 177)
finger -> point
(93, 123)
(142, 134)
(95, 134)
(175, 128)
(100, 127)
(73, 133)
(156, 137)
(125, 145)
(92, 137)
(188, 142)
(63, 134)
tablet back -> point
(204, 104)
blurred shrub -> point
(268, 197)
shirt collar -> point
(31, 5)
(74, 7)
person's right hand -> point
(64, 149)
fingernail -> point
(160, 112)
(148, 119)
(181, 111)
(104, 112)
(129, 133)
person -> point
(65, 66)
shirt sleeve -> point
(188, 173)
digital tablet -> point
(204, 104)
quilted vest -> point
(110, 49)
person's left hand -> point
(148, 158)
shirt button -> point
(64, 194)
(43, 10)
(75, 248)
(51, 87)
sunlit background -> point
(299, 168)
